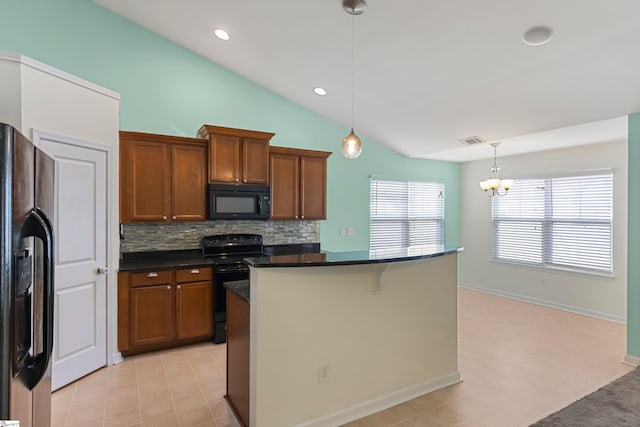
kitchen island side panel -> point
(373, 346)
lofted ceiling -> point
(428, 73)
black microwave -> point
(232, 201)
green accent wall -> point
(633, 242)
(167, 89)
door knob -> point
(103, 270)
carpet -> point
(616, 404)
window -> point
(406, 214)
(562, 222)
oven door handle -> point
(236, 269)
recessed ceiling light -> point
(319, 91)
(537, 36)
(221, 34)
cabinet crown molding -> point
(299, 152)
(153, 137)
(206, 130)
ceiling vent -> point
(472, 140)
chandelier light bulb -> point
(495, 186)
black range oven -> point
(227, 251)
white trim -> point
(631, 360)
(40, 66)
(547, 303)
(113, 241)
(381, 403)
(116, 358)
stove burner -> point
(232, 245)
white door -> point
(80, 224)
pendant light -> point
(351, 144)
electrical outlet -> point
(323, 373)
(351, 231)
(343, 231)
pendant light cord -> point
(353, 88)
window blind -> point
(406, 214)
(561, 222)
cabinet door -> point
(194, 313)
(147, 189)
(255, 161)
(189, 182)
(224, 158)
(151, 317)
(313, 188)
(284, 186)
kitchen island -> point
(334, 337)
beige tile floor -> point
(519, 362)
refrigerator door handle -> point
(38, 225)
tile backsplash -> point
(143, 237)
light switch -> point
(351, 231)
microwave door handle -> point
(259, 204)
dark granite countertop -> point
(352, 258)
(163, 259)
(133, 261)
(240, 288)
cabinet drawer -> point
(157, 277)
(195, 274)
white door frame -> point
(113, 234)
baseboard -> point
(372, 406)
(631, 360)
(117, 358)
(547, 303)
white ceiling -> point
(428, 72)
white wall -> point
(598, 296)
(36, 96)
(10, 100)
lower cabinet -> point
(164, 308)
(238, 348)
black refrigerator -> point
(26, 280)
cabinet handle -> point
(195, 271)
(296, 216)
(168, 287)
(302, 217)
(237, 180)
(178, 287)
(152, 275)
(174, 217)
(164, 217)
(244, 180)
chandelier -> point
(494, 185)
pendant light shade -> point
(351, 146)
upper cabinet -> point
(237, 156)
(162, 178)
(298, 183)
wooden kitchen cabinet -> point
(162, 178)
(298, 183)
(238, 350)
(164, 308)
(194, 308)
(237, 156)
(151, 313)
